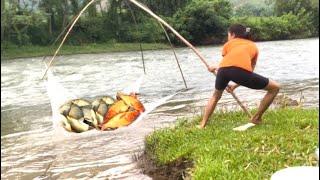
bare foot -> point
(199, 127)
(257, 121)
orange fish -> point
(132, 101)
(116, 108)
(121, 119)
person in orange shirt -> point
(240, 56)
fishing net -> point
(59, 95)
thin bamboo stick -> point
(168, 38)
(175, 55)
(65, 37)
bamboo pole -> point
(65, 37)
(189, 45)
(171, 29)
(161, 21)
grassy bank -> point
(34, 51)
(288, 137)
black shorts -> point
(240, 76)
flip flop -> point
(244, 127)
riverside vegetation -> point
(36, 24)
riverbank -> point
(14, 52)
(288, 137)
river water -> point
(32, 149)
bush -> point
(103, 29)
(287, 26)
(199, 21)
(203, 22)
(147, 31)
(91, 29)
(39, 35)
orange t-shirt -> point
(240, 53)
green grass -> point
(34, 51)
(288, 137)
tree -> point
(315, 12)
(92, 10)
(17, 20)
(294, 6)
(309, 8)
(204, 22)
(2, 16)
(57, 11)
(166, 7)
(74, 6)
(249, 9)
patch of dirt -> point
(177, 170)
(282, 100)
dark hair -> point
(240, 31)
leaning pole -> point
(188, 44)
(162, 22)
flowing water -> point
(32, 149)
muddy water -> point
(31, 148)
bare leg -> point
(272, 91)
(212, 103)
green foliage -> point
(166, 7)
(288, 137)
(116, 25)
(287, 26)
(90, 30)
(252, 10)
(296, 7)
(252, 7)
(149, 31)
(315, 16)
(57, 13)
(293, 6)
(202, 21)
(17, 22)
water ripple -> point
(32, 149)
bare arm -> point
(253, 64)
(254, 61)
